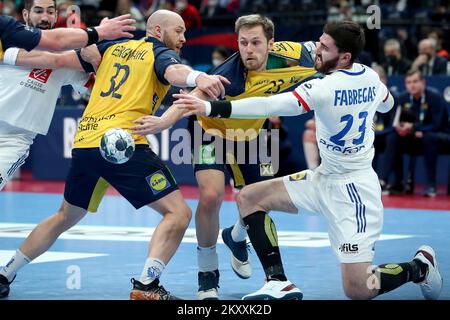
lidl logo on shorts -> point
(157, 182)
(298, 176)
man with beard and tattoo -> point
(344, 188)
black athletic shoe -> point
(4, 286)
(151, 291)
(208, 282)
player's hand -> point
(420, 60)
(189, 104)
(212, 85)
(91, 55)
(118, 27)
(148, 125)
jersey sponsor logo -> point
(266, 170)
(348, 248)
(343, 150)
(154, 272)
(157, 182)
(354, 96)
(298, 176)
(41, 75)
(29, 28)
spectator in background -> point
(428, 62)
(436, 34)
(382, 122)
(395, 63)
(68, 17)
(219, 55)
(9, 9)
(289, 163)
(189, 13)
(310, 148)
(418, 116)
(112, 8)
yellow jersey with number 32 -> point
(129, 84)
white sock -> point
(239, 232)
(207, 259)
(153, 269)
(18, 261)
(311, 152)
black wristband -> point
(92, 36)
(220, 109)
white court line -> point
(140, 234)
(51, 256)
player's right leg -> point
(254, 202)
(211, 184)
(39, 241)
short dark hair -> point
(348, 37)
(412, 72)
(28, 4)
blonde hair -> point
(253, 20)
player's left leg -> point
(39, 241)
(254, 202)
(363, 281)
(165, 240)
(244, 173)
(353, 208)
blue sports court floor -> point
(108, 248)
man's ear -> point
(271, 42)
(158, 32)
(346, 58)
(25, 14)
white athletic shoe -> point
(431, 286)
(276, 290)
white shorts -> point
(352, 205)
(14, 148)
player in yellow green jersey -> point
(132, 79)
(260, 68)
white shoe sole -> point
(242, 270)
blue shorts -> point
(141, 180)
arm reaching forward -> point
(68, 38)
(285, 104)
(47, 60)
(154, 124)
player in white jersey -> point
(29, 96)
(344, 188)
